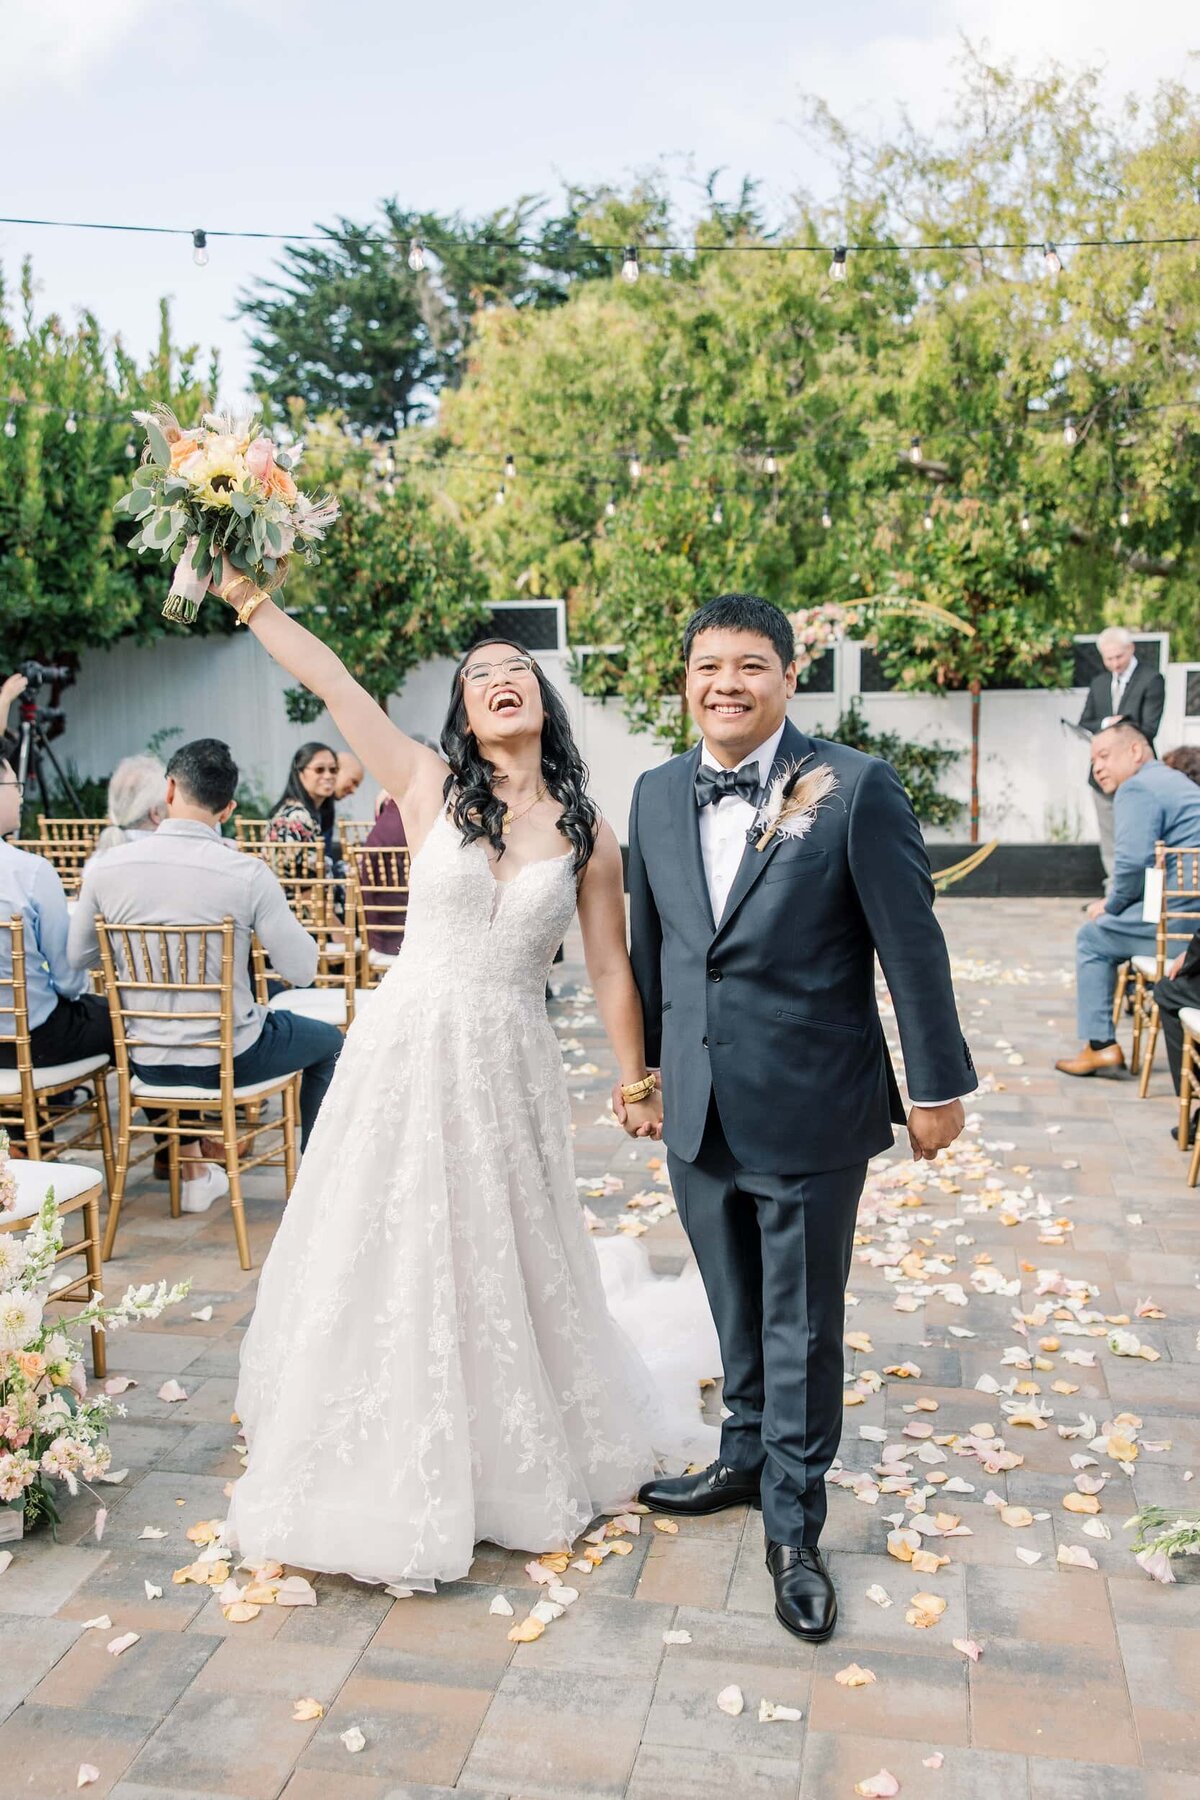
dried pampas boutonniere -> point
(792, 802)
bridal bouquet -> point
(50, 1431)
(220, 488)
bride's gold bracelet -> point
(247, 612)
(633, 1091)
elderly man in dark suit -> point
(1126, 689)
(766, 871)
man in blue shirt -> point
(1151, 804)
(66, 1022)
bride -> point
(432, 1361)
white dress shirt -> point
(1120, 681)
(723, 828)
(724, 824)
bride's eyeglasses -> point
(478, 674)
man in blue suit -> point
(766, 871)
(1151, 804)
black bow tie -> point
(713, 785)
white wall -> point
(1032, 772)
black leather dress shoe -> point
(710, 1491)
(805, 1601)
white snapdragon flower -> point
(20, 1320)
(12, 1259)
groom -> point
(754, 951)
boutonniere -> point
(792, 802)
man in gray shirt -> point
(1151, 804)
(186, 874)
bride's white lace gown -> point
(431, 1361)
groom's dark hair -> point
(743, 612)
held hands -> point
(644, 1118)
(934, 1128)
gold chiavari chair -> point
(1175, 874)
(314, 901)
(76, 1190)
(251, 833)
(185, 972)
(67, 844)
(67, 829)
(26, 1091)
(380, 896)
(352, 832)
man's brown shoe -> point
(1109, 1061)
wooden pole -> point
(976, 699)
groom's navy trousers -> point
(777, 1084)
(774, 1255)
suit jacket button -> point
(704, 1043)
(714, 974)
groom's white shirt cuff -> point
(925, 1104)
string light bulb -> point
(826, 517)
(71, 423)
(914, 449)
(1051, 258)
(837, 268)
(630, 269)
(10, 424)
(927, 521)
(610, 506)
(1026, 521)
(416, 256)
(635, 467)
(130, 449)
(389, 463)
(200, 249)
(770, 463)
(718, 514)
(510, 467)
(1070, 432)
(501, 495)
(1123, 515)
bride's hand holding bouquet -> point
(220, 495)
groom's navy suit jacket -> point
(773, 1007)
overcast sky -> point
(261, 115)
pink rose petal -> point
(935, 1761)
(171, 1391)
(119, 1384)
(969, 1647)
(119, 1645)
(878, 1787)
(88, 1772)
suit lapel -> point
(793, 748)
(684, 815)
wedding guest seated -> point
(186, 874)
(304, 812)
(137, 803)
(350, 776)
(66, 1022)
(1179, 987)
(1151, 803)
(386, 833)
(1185, 758)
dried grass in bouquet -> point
(222, 489)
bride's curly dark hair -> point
(475, 809)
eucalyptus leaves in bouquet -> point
(222, 488)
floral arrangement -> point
(1162, 1534)
(221, 489)
(817, 629)
(50, 1430)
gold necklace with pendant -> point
(510, 817)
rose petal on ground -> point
(1096, 1528)
(171, 1391)
(151, 1531)
(1076, 1557)
(879, 1595)
(769, 1712)
(1081, 1503)
(858, 1340)
(101, 1520)
(399, 1593)
(731, 1701)
(668, 1526)
(527, 1632)
(903, 1544)
(119, 1384)
(241, 1612)
(925, 1562)
(627, 1522)
(622, 1546)
(101, 1623)
(969, 1647)
(304, 1710)
(500, 1607)
(152, 1592)
(853, 1676)
(1029, 1557)
(354, 1740)
(204, 1315)
(1016, 1516)
(933, 1762)
(119, 1645)
(296, 1591)
(562, 1596)
(677, 1637)
(884, 1785)
(88, 1772)
(261, 1593)
(537, 1571)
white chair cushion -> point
(326, 1004)
(1146, 965)
(33, 1179)
(379, 959)
(146, 1090)
(53, 1075)
(1189, 1018)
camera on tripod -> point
(38, 674)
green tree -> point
(66, 580)
(395, 586)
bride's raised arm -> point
(412, 774)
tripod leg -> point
(44, 749)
